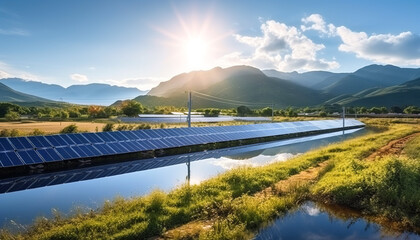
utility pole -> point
(344, 116)
(272, 112)
(189, 109)
(188, 171)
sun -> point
(196, 50)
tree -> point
(7, 107)
(322, 114)
(291, 113)
(211, 112)
(383, 109)
(131, 108)
(396, 109)
(375, 110)
(12, 116)
(266, 111)
(243, 110)
(412, 110)
(64, 115)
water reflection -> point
(24, 198)
(315, 221)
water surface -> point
(314, 221)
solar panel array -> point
(18, 151)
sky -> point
(141, 43)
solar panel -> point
(5, 145)
(29, 156)
(51, 152)
(118, 135)
(67, 153)
(78, 138)
(67, 140)
(16, 151)
(56, 140)
(20, 142)
(93, 137)
(49, 155)
(5, 161)
(39, 141)
(106, 136)
(105, 149)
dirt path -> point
(394, 147)
(193, 229)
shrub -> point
(70, 129)
(109, 127)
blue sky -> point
(139, 43)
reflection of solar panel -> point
(18, 151)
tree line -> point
(131, 108)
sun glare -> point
(194, 42)
(195, 51)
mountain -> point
(9, 95)
(233, 86)
(404, 94)
(311, 79)
(372, 76)
(100, 94)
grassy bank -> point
(236, 205)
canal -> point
(25, 198)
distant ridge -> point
(404, 94)
(95, 93)
(9, 95)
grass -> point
(231, 202)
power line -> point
(228, 101)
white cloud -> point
(79, 77)
(4, 74)
(316, 22)
(7, 71)
(401, 49)
(281, 47)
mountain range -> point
(96, 93)
(373, 85)
(9, 95)
(230, 87)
